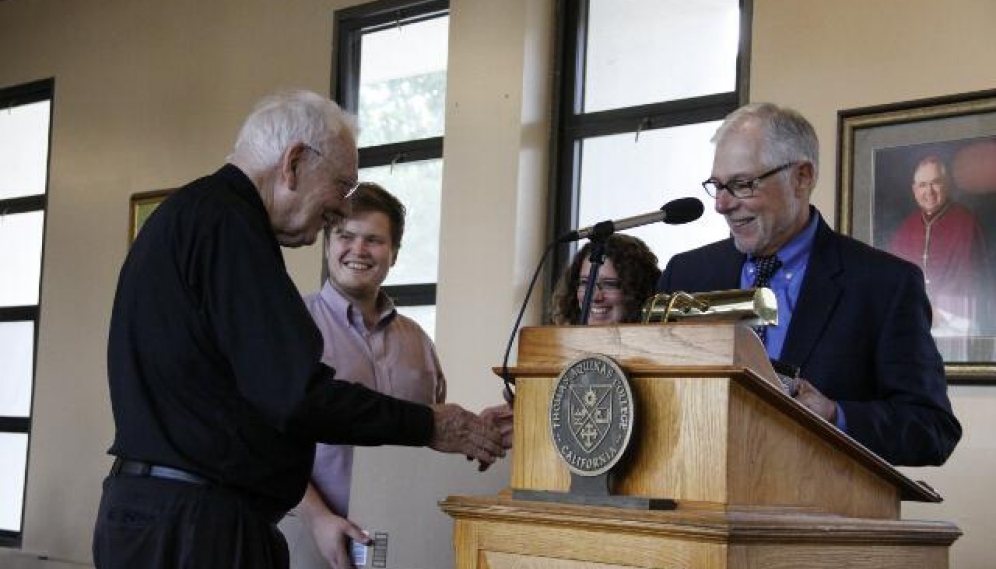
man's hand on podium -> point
(816, 401)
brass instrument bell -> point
(754, 306)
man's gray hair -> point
(936, 161)
(786, 134)
(284, 119)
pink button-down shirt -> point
(395, 357)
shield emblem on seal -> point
(591, 414)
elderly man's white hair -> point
(786, 134)
(282, 120)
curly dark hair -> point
(638, 274)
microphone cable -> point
(509, 381)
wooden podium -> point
(759, 480)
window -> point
(25, 116)
(391, 72)
(643, 86)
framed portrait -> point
(918, 179)
(141, 206)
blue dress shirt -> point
(786, 284)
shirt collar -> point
(344, 311)
(795, 253)
(243, 186)
(247, 191)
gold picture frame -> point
(879, 150)
(141, 206)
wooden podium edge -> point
(775, 525)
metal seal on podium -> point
(591, 414)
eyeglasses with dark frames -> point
(346, 187)
(604, 285)
(741, 188)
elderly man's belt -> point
(138, 468)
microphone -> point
(681, 210)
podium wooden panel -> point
(501, 533)
(760, 481)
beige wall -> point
(494, 184)
(150, 94)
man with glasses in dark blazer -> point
(853, 319)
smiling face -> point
(930, 188)
(607, 300)
(779, 208)
(360, 254)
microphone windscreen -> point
(683, 210)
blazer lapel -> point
(818, 298)
(728, 267)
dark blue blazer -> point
(860, 334)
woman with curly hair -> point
(627, 278)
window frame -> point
(17, 95)
(349, 26)
(572, 126)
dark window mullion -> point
(652, 116)
(376, 16)
(21, 425)
(575, 40)
(347, 89)
(743, 49)
(27, 93)
(401, 18)
(9, 539)
(412, 294)
(401, 152)
(566, 208)
(23, 204)
(570, 67)
(18, 313)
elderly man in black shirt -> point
(214, 363)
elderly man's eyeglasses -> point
(741, 188)
(346, 187)
(604, 285)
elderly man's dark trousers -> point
(155, 523)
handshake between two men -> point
(483, 438)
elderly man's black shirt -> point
(214, 362)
